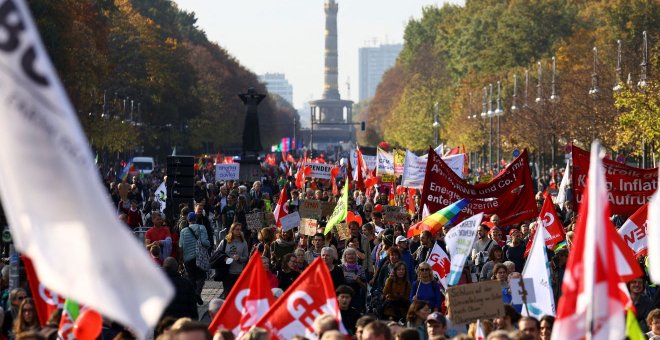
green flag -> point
(339, 214)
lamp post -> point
(436, 125)
(498, 112)
(554, 99)
(490, 123)
(641, 85)
(594, 91)
(484, 114)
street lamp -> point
(498, 113)
(436, 126)
(619, 84)
(594, 91)
(645, 56)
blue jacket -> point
(188, 241)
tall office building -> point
(276, 83)
(374, 61)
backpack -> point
(218, 261)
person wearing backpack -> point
(188, 245)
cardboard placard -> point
(308, 226)
(310, 209)
(394, 214)
(255, 221)
(327, 208)
(225, 172)
(343, 231)
(469, 302)
(517, 290)
(290, 221)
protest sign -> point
(308, 226)
(310, 209)
(517, 290)
(510, 195)
(394, 214)
(255, 221)
(370, 160)
(628, 188)
(399, 157)
(469, 302)
(320, 170)
(385, 165)
(225, 172)
(343, 231)
(290, 221)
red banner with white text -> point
(628, 188)
(510, 195)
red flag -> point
(334, 172)
(550, 221)
(633, 231)
(249, 298)
(440, 264)
(281, 209)
(592, 300)
(45, 300)
(311, 295)
(453, 151)
(361, 169)
(411, 200)
(218, 159)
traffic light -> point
(362, 126)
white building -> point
(374, 61)
(277, 84)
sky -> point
(286, 36)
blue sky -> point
(287, 36)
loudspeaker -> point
(180, 183)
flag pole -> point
(523, 294)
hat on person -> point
(191, 216)
(512, 231)
(401, 238)
(436, 317)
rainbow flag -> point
(130, 167)
(437, 220)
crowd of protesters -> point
(385, 289)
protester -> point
(190, 235)
(426, 288)
(184, 302)
(236, 249)
(288, 271)
(26, 319)
(418, 311)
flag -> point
(548, 219)
(70, 231)
(436, 221)
(411, 200)
(45, 300)
(654, 238)
(459, 241)
(537, 268)
(360, 170)
(425, 211)
(565, 181)
(633, 331)
(341, 209)
(311, 295)
(591, 300)
(633, 231)
(161, 196)
(334, 172)
(480, 331)
(281, 209)
(440, 264)
(247, 301)
(70, 312)
(128, 168)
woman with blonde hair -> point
(236, 248)
(426, 288)
(26, 320)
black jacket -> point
(184, 302)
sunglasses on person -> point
(424, 269)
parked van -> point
(144, 164)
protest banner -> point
(343, 231)
(510, 195)
(628, 188)
(414, 169)
(290, 221)
(327, 208)
(469, 302)
(226, 172)
(310, 209)
(385, 165)
(459, 241)
(255, 221)
(308, 226)
(320, 170)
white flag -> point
(161, 196)
(440, 264)
(561, 195)
(460, 240)
(537, 268)
(653, 231)
(70, 231)
(480, 331)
